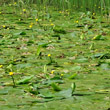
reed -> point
(98, 6)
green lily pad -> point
(25, 80)
(3, 92)
(55, 87)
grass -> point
(99, 6)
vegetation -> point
(55, 54)
(81, 5)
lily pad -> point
(25, 80)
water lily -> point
(52, 24)
(77, 21)
(30, 26)
(11, 73)
(52, 71)
(37, 19)
(1, 66)
(62, 74)
(3, 26)
(15, 3)
(24, 10)
(49, 55)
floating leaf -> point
(25, 65)
(23, 33)
(59, 30)
(57, 35)
(103, 91)
(55, 87)
(98, 37)
(47, 95)
(81, 60)
(97, 55)
(30, 42)
(73, 76)
(2, 61)
(105, 66)
(76, 68)
(50, 81)
(3, 92)
(34, 90)
(64, 93)
(43, 44)
(25, 80)
(102, 55)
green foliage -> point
(59, 30)
(73, 76)
(25, 80)
(73, 86)
(102, 6)
(55, 87)
(48, 45)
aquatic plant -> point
(11, 74)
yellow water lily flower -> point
(52, 71)
(49, 55)
(77, 21)
(15, 3)
(37, 19)
(14, 59)
(93, 13)
(1, 66)
(30, 26)
(24, 10)
(3, 26)
(52, 24)
(32, 23)
(11, 73)
(62, 74)
(60, 12)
